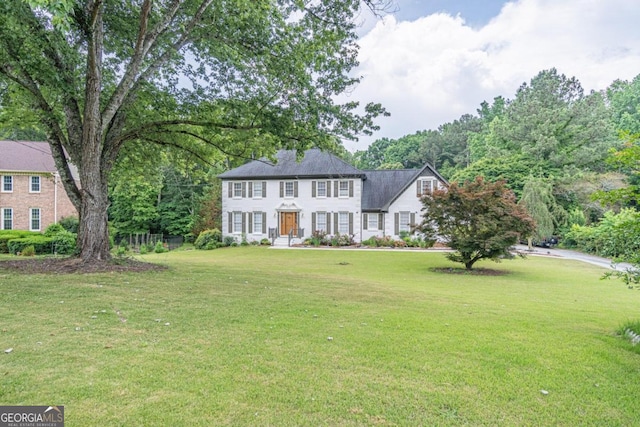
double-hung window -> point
(237, 190)
(321, 189)
(7, 218)
(289, 189)
(257, 222)
(405, 220)
(34, 219)
(321, 222)
(237, 222)
(343, 222)
(7, 183)
(426, 186)
(34, 184)
(257, 190)
(343, 189)
(372, 221)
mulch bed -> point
(76, 265)
(472, 272)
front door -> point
(288, 222)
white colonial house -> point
(292, 198)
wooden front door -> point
(288, 221)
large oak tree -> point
(244, 77)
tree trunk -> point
(93, 233)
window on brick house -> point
(7, 183)
(34, 219)
(34, 184)
(7, 218)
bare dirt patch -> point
(76, 265)
(472, 272)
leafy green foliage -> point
(617, 235)
(209, 239)
(537, 198)
(477, 219)
(28, 251)
(40, 243)
(7, 235)
(235, 78)
(70, 223)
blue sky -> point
(474, 12)
(433, 60)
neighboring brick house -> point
(321, 193)
(32, 196)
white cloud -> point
(434, 69)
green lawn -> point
(240, 337)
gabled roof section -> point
(28, 156)
(314, 164)
(382, 187)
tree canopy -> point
(477, 219)
(240, 77)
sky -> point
(431, 61)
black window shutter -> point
(328, 223)
(336, 188)
(313, 222)
(350, 222)
(396, 225)
(281, 189)
(250, 189)
(230, 222)
(328, 188)
(230, 189)
(418, 189)
(413, 218)
(295, 188)
(264, 188)
(313, 189)
(380, 222)
(244, 223)
(250, 215)
(365, 221)
(336, 223)
(264, 223)
(244, 189)
(351, 188)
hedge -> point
(6, 235)
(41, 244)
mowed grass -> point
(256, 336)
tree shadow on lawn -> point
(472, 272)
(76, 265)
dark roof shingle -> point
(315, 163)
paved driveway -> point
(578, 256)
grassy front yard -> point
(255, 336)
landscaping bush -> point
(28, 251)
(64, 242)
(265, 242)
(6, 235)
(40, 243)
(53, 229)
(159, 248)
(70, 223)
(616, 236)
(208, 239)
(230, 241)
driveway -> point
(578, 256)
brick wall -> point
(52, 201)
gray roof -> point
(380, 188)
(383, 186)
(28, 156)
(314, 164)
